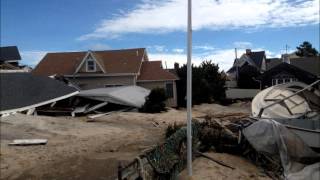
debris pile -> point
(30, 94)
(243, 137)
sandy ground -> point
(78, 149)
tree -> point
(155, 101)
(306, 50)
(207, 84)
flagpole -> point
(189, 91)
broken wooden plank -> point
(96, 107)
(217, 161)
(28, 142)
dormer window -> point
(91, 65)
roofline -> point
(38, 104)
(100, 75)
(157, 80)
(16, 60)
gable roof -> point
(9, 53)
(112, 61)
(297, 72)
(257, 57)
(153, 71)
(272, 62)
(310, 64)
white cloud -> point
(154, 16)
(223, 57)
(33, 57)
(178, 50)
(98, 46)
(157, 48)
(242, 44)
(204, 47)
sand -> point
(78, 149)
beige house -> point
(96, 69)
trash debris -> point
(23, 91)
(295, 105)
(298, 160)
(28, 142)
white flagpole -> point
(189, 92)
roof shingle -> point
(113, 61)
(153, 71)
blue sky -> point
(219, 26)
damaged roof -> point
(153, 71)
(9, 53)
(112, 61)
(23, 91)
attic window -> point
(91, 65)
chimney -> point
(286, 58)
(248, 51)
(176, 65)
(236, 53)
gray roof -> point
(257, 57)
(309, 64)
(20, 90)
(272, 62)
(9, 53)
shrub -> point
(155, 101)
(208, 84)
(172, 128)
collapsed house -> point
(25, 92)
(111, 68)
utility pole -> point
(189, 91)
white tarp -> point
(298, 160)
(124, 95)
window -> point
(91, 65)
(169, 90)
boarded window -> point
(169, 90)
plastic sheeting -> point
(298, 160)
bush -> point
(208, 84)
(155, 102)
(172, 128)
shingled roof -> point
(257, 57)
(153, 71)
(9, 53)
(309, 64)
(113, 61)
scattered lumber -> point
(28, 142)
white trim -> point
(10, 61)
(156, 80)
(94, 65)
(38, 104)
(85, 58)
(101, 75)
(14, 71)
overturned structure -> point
(24, 92)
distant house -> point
(284, 73)
(9, 60)
(96, 69)
(247, 68)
